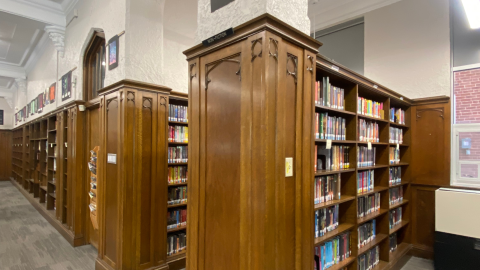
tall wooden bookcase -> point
(48, 173)
(252, 147)
(177, 260)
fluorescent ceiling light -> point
(472, 9)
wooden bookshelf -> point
(356, 86)
(41, 164)
(177, 260)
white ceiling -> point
(18, 37)
(326, 13)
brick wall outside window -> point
(467, 111)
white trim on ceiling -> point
(30, 47)
(12, 71)
(36, 53)
(37, 10)
(322, 17)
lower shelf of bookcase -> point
(378, 239)
(342, 264)
(339, 230)
(177, 256)
(380, 266)
(399, 226)
(399, 252)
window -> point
(466, 128)
(94, 66)
(1, 117)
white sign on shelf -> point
(288, 167)
(329, 144)
(112, 158)
(369, 146)
(335, 68)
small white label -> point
(112, 158)
(329, 144)
(288, 167)
(335, 68)
(398, 146)
(375, 86)
(401, 98)
(369, 146)
(65, 144)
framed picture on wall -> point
(67, 86)
(113, 53)
(51, 93)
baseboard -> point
(101, 265)
(421, 252)
(66, 233)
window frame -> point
(96, 42)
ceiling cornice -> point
(37, 53)
(39, 10)
(12, 71)
(324, 16)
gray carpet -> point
(28, 241)
(418, 264)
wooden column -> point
(251, 109)
(132, 186)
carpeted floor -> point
(28, 241)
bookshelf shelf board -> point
(51, 183)
(325, 108)
(177, 123)
(178, 164)
(53, 195)
(399, 164)
(176, 205)
(393, 206)
(373, 143)
(339, 230)
(178, 143)
(378, 239)
(398, 125)
(399, 252)
(372, 118)
(176, 256)
(30, 180)
(52, 130)
(372, 167)
(397, 185)
(177, 184)
(343, 264)
(176, 229)
(43, 188)
(375, 190)
(371, 216)
(344, 198)
(400, 144)
(380, 266)
(52, 170)
(327, 172)
(399, 226)
(52, 156)
(336, 141)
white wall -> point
(7, 114)
(407, 47)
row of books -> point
(366, 157)
(365, 181)
(393, 242)
(368, 204)
(396, 195)
(397, 116)
(176, 218)
(366, 232)
(329, 95)
(368, 131)
(336, 158)
(369, 259)
(178, 134)
(330, 127)
(177, 195)
(332, 252)
(396, 135)
(394, 155)
(395, 217)
(327, 188)
(395, 176)
(177, 154)
(177, 174)
(176, 242)
(177, 113)
(326, 220)
(370, 108)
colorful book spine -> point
(396, 135)
(368, 131)
(330, 127)
(177, 113)
(395, 176)
(365, 181)
(327, 188)
(366, 157)
(370, 108)
(328, 95)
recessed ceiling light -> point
(472, 9)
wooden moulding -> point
(132, 84)
(430, 100)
